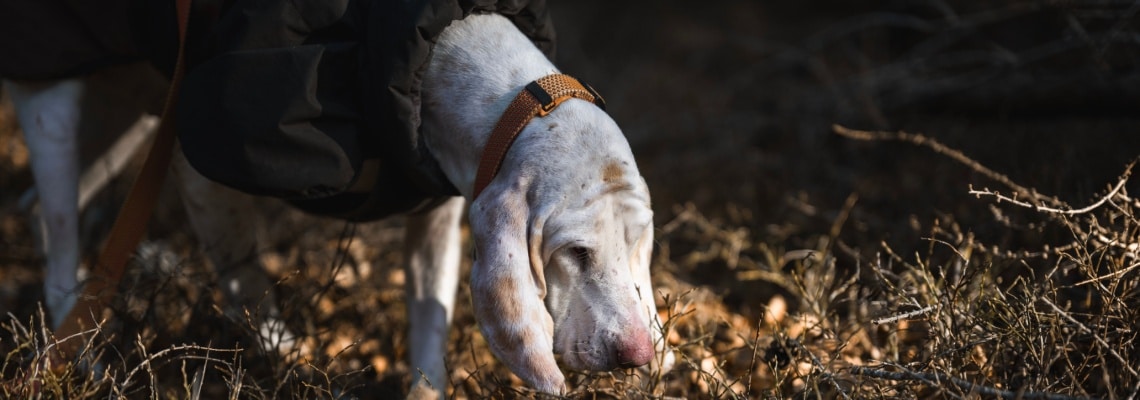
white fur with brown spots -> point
(563, 234)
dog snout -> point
(634, 349)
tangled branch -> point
(936, 379)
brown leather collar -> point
(539, 99)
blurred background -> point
(729, 107)
(732, 102)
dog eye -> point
(582, 254)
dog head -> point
(563, 249)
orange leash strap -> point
(539, 98)
(131, 223)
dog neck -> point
(478, 66)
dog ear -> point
(505, 292)
(641, 261)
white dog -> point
(563, 233)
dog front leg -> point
(49, 114)
(432, 246)
(225, 223)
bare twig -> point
(1130, 249)
(950, 246)
(173, 351)
(938, 147)
(935, 379)
(1102, 201)
(1108, 276)
(822, 370)
(906, 315)
(1096, 337)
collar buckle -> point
(539, 98)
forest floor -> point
(882, 200)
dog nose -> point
(634, 349)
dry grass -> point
(791, 262)
(961, 319)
